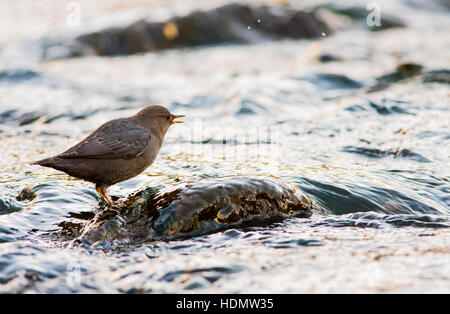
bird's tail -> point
(47, 162)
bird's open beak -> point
(176, 117)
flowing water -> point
(368, 148)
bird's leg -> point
(102, 189)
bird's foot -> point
(103, 191)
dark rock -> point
(329, 58)
(403, 71)
(437, 76)
(232, 23)
(194, 208)
(27, 194)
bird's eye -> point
(168, 118)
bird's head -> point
(157, 118)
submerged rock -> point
(402, 72)
(200, 207)
(231, 23)
(437, 76)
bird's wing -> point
(113, 140)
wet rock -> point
(326, 57)
(232, 23)
(27, 194)
(403, 71)
(437, 76)
(200, 207)
(9, 205)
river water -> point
(376, 159)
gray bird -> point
(117, 151)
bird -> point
(116, 151)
